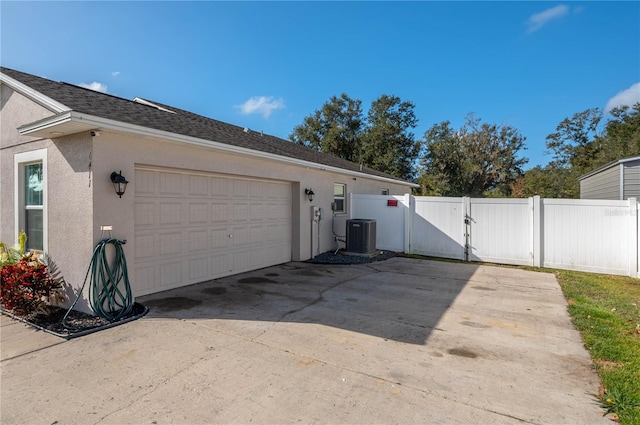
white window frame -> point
(343, 198)
(384, 191)
(19, 162)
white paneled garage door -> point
(191, 227)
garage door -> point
(191, 227)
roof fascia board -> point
(32, 94)
(607, 166)
(598, 170)
(108, 124)
(633, 158)
(45, 123)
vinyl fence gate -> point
(575, 234)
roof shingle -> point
(182, 122)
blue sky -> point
(267, 65)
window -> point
(30, 198)
(385, 191)
(339, 200)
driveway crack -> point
(155, 387)
(319, 298)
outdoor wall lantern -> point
(309, 193)
(119, 183)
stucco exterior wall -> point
(70, 210)
(121, 152)
(7, 186)
(69, 207)
(15, 110)
(69, 201)
(81, 197)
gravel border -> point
(86, 323)
(83, 323)
(344, 258)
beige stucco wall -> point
(81, 197)
(70, 209)
(69, 199)
(121, 152)
(15, 110)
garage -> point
(193, 226)
(206, 198)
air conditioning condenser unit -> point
(361, 235)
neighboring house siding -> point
(603, 185)
(632, 180)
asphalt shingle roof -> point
(182, 122)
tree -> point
(583, 143)
(547, 182)
(475, 160)
(334, 129)
(622, 134)
(441, 158)
(383, 142)
(387, 144)
(575, 142)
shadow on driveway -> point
(398, 299)
(398, 341)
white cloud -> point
(115, 73)
(261, 105)
(538, 20)
(94, 86)
(628, 97)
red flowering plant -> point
(27, 286)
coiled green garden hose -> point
(107, 299)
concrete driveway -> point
(399, 341)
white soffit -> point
(56, 126)
(607, 166)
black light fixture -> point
(119, 183)
(309, 193)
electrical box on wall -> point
(316, 213)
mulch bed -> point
(83, 324)
(343, 258)
(79, 322)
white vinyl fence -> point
(577, 234)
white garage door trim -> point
(193, 226)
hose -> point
(106, 297)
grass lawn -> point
(606, 311)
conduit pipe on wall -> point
(318, 247)
(316, 216)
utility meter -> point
(316, 214)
